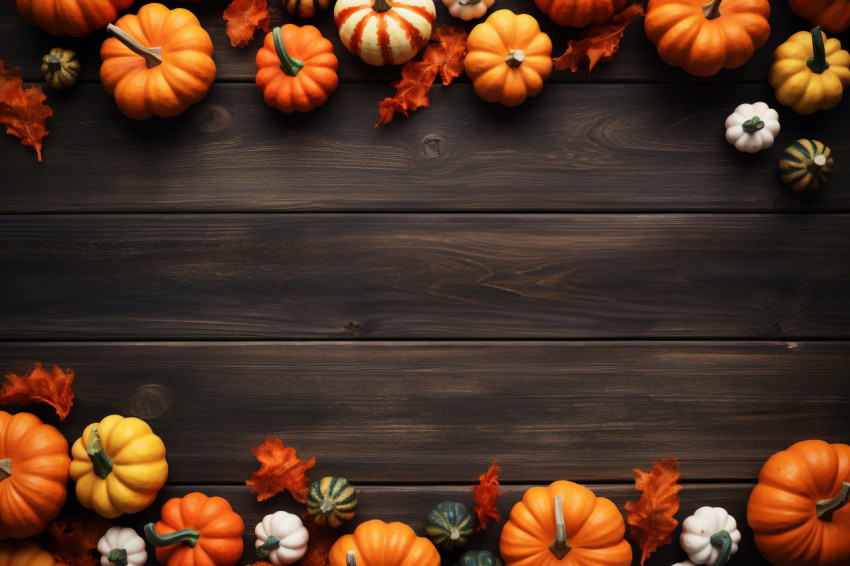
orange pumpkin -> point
(24, 553)
(296, 68)
(579, 13)
(831, 15)
(71, 17)
(797, 510)
(564, 524)
(34, 465)
(508, 58)
(376, 543)
(159, 62)
(704, 38)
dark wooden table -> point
(575, 287)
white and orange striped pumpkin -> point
(385, 32)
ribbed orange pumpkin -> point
(34, 465)
(704, 38)
(169, 69)
(579, 13)
(376, 543)
(592, 533)
(24, 553)
(797, 510)
(71, 17)
(831, 15)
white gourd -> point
(118, 539)
(752, 127)
(685, 563)
(281, 538)
(468, 9)
(710, 536)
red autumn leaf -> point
(22, 111)
(53, 388)
(485, 494)
(444, 55)
(279, 469)
(73, 540)
(651, 519)
(243, 17)
(319, 544)
(262, 563)
(598, 42)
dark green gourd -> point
(479, 558)
(331, 501)
(449, 526)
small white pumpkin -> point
(281, 538)
(122, 546)
(685, 563)
(752, 127)
(710, 536)
(468, 9)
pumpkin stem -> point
(817, 62)
(349, 558)
(382, 5)
(724, 540)
(187, 536)
(753, 125)
(826, 507)
(712, 9)
(468, 2)
(515, 58)
(559, 546)
(53, 64)
(288, 64)
(100, 461)
(152, 55)
(117, 556)
(327, 506)
(5, 468)
(266, 548)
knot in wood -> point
(149, 401)
(434, 146)
(211, 118)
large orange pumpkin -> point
(564, 524)
(376, 543)
(832, 15)
(797, 510)
(579, 13)
(704, 38)
(34, 465)
(71, 17)
(24, 553)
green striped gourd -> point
(331, 501)
(449, 526)
(60, 68)
(805, 165)
(479, 558)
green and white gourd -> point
(752, 127)
(479, 558)
(806, 165)
(122, 546)
(331, 501)
(710, 536)
(281, 538)
(449, 526)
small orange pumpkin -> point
(831, 15)
(159, 62)
(508, 58)
(24, 553)
(296, 68)
(376, 543)
(71, 17)
(704, 38)
(579, 13)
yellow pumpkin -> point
(119, 466)
(24, 553)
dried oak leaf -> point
(243, 17)
(444, 55)
(73, 540)
(280, 470)
(53, 388)
(598, 42)
(319, 544)
(485, 494)
(262, 563)
(651, 519)
(22, 111)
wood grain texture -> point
(440, 412)
(573, 148)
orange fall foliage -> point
(72, 540)
(598, 42)
(53, 388)
(484, 495)
(22, 111)
(651, 519)
(243, 17)
(280, 470)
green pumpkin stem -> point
(723, 540)
(117, 556)
(266, 548)
(826, 507)
(559, 546)
(753, 125)
(327, 506)
(5, 468)
(288, 64)
(382, 5)
(349, 558)
(152, 55)
(817, 62)
(94, 448)
(54, 65)
(712, 9)
(185, 536)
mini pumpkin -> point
(24, 553)
(376, 543)
(752, 127)
(508, 58)
(281, 538)
(810, 72)
(710, 536)
(306, 8)
(832, 15)
(468, 9)
(60, 68)
(122, 546)
(579, 13)
(479, 558)
(805, 165)
(449, 525)
(331, 501)
(704, 38)
(159, 62)
(71, 17)
(385, 32)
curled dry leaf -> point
(598, 42)
(280, 470)
(651, 521)
(22, 111)
(243, 17)
(319, 544)
(484, 495)
(73, 540)
(53, 388)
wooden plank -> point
(440, 412)
(573, 148)
(637, 59)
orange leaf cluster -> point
(485, 494)
(243, 17)
(22, 111)
(598, 42)
(53, 388)
(280, 470)
(73, 540)
(444, 55)
(319, 546)
(651, 519)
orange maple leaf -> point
(598, 42)
(53, 388)
(485, 494)
(243, 17)
(319, 544)
(651, 519)
(280, 470)
(73, 540)
(22, 111)
(444, 55)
